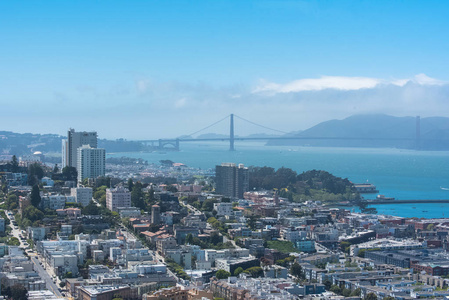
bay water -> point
(398, 173)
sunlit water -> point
(403, 174)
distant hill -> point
(381, 131)
(27, 143)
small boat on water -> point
(424, 211)
(413, 207)
(444, 189)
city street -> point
(51, 286)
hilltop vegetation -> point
(311, 185)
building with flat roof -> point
(106, 292)
(91, 162)
(118, 197)
(74, 141)
(83, 195)
(231, 180)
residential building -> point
(176, 293)
(55, 201)
(118, 197)
(231, 264)
(223, 209)
(83, 195)
(165, 242)
(106, 292)
(74, 141)
(91, 162)
(231, 180)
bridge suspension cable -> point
(243, 119)
(209, 126)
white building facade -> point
(83, 195)
(91, 162)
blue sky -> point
(131, 68)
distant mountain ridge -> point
(27, 143)
(384, 131)
(375, 131)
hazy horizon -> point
(145, 70)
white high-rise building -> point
(65, 154)
(91, 162)
(118, 197)
(74, 141)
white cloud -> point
(322, 83)
(341, 83)
(423, 79)
(180, 103)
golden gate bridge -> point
(174, 144)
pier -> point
(379, 201)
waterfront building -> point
(231, 180)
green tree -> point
(91, 209)
(13, 241)
(388, 298)
(19, 292)
(345, 246)
(371, 296)
(335, 289)
(327, 284)
(252, 222)
(151, 194)
(33, 214)
(69, 173)
(12, 201)
(238, 271)
(171, 188)
(55, 169)
(208, 205)
(346, 292)
(356, 293)
(296, 270)
(130, 184)
(35, 173)
(189, 239)
(35, 196)
(255, 271)
(137, 199)
(14, 164)
(222, 274)
(216, 238)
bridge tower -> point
(231, 134)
